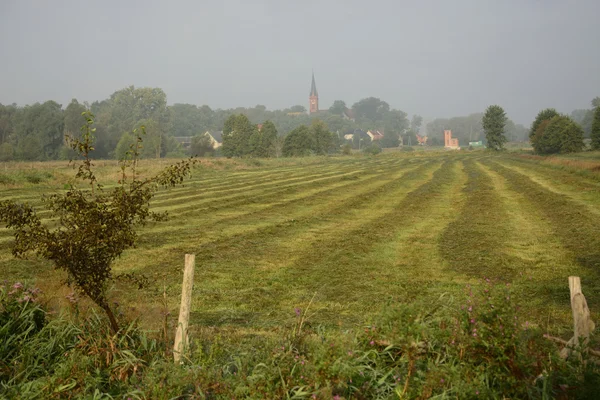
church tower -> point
(313, 98)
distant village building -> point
(375, 135)
(449, 141)
(357, 134)
(422, 140)
(216, 138)
(476, 144)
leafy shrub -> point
(347, 149)
(407, 148)
(36, 177)
(6, 179)
(372, 149)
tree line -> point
(37, 131)
(470, 129)
(550, 132)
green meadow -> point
(348, 235)
(406, 275)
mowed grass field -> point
(349, 235)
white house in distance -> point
(216, 138)
(375, 135)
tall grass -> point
(476, 345)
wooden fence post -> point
(582, 323)
(181, 336)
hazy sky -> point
(434, 58)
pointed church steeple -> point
(313, 98)
(313, 87)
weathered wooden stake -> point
(582, 323)
(181, 336)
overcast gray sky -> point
(434, 58)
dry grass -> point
(579, 161)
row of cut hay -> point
(573, 224)
(279, 265)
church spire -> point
(313, 98)
(313, 87)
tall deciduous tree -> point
(494, 122)
(322, 138)
(7, 115)
(543, 115)
(370, 110)
(39, 131)
(237, 132)
(559, 134)
(416, 122)
(74, 118)
(338, 107)
(390, 139)
(201, 145)
(268, 136)
(595, 135)
(298, 142)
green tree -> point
(268, 136)
(126, 109)
(154, 139)
(90, 228)
(124, 145)
(559, 134)
(416, 122)
(7, 120)
(338, 107)
(494, 123)
(370, 110)
(237, 132)
(39, 131)
(336, 123)
(595, 134)
(298, 142)
(201, 145)
(74, 118)
(190, 120)
(360, 140)
(6, 152)
(297, 109)
(322, 139)
(390, 139)
(543, 115)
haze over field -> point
(437, 59)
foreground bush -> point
(478, 347)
